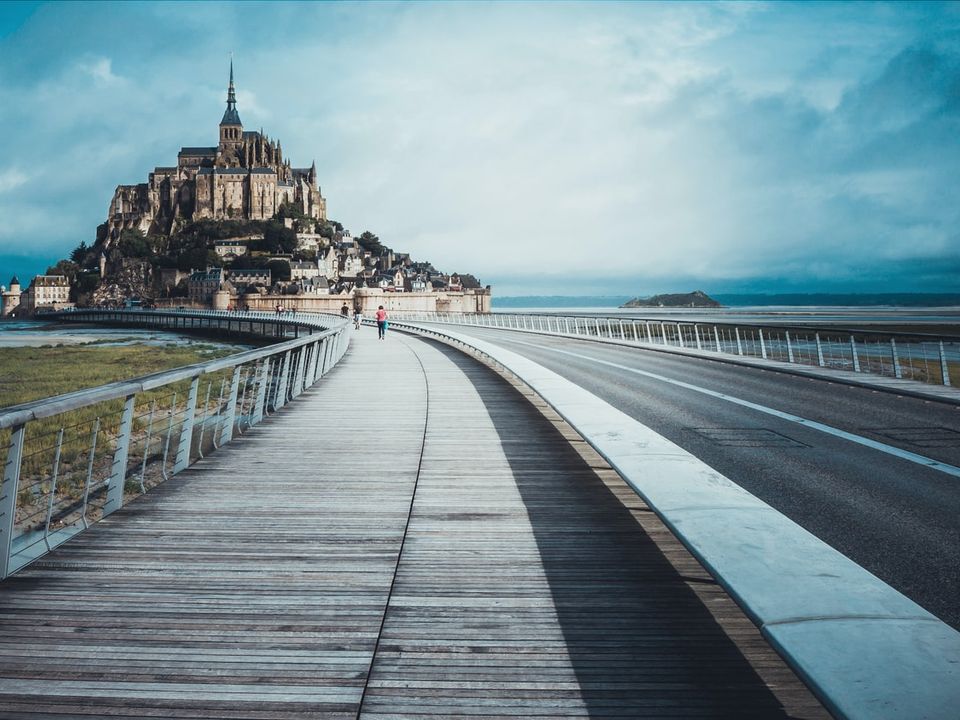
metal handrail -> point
(47, 407)
(928, 359)
(59, 477)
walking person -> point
(345, 311)
(381, 322)
(357, 318)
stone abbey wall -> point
(244, 177)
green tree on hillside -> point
(197, 259)
(134, 244)
(325, 229)
(67, 268)
(279, 270)
(369, 241)
(79, 253)
(278, 239)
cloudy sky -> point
(623, 148)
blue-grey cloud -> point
(552, 145)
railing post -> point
(623, 335)
(680, 335)
(304, 365)
(763, 345)
(789, 348)
(324, 358)
(226, 424)
(663, 332)
(856, 358)
(897, 371)
(314, 362)
(696, 335)
(636, 335)
(51, 501)
(89, 479)
(146, 446)
(820, 361)
(8, 497)
(186, 430)
(736, 331)
(944, 368)
(295, 360)
(263, 379)
(716, 339)
(280, 396)
(203, 424)
(296, 381)
(118, 472)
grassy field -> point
(31, 373)
(89, 434)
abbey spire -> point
(231, 117)
(231, 129)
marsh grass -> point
(28, 374)
(32, 373)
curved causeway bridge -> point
(411, 531)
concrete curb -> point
(866, 650)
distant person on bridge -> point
(381, 322)
(345, 311)
(357, 318)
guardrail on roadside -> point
(931, 360)
(72, 459)
(288, 323)
(867, 651)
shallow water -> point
(34, 333)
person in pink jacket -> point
(381, 322)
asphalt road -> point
(896, 518)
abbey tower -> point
(244, 177)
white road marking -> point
(812, 424)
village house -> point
(329, 263)
(232, 248)
(46, 292)
(317, 285)
(203, 284)
(303, 270)
(419, 284)
(243, 278)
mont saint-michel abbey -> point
(244, 177)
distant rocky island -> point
(695, 299)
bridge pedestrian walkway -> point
(410, 538)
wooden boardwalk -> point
(411, 538)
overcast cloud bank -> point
(547, 148)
